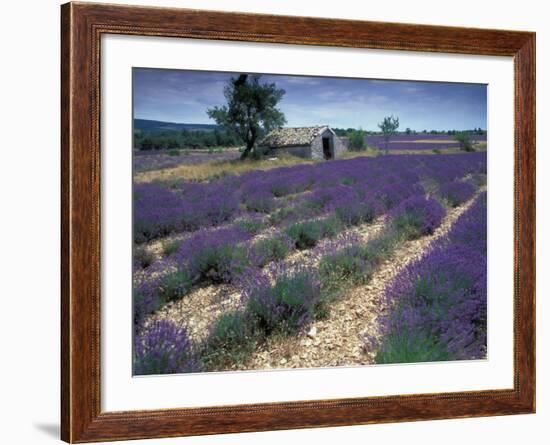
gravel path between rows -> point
(204, 304)
(336, 340)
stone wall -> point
(317, 148)
(301, 151)
(313, 151)
(337, 146)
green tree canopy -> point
(251, 109)
(356, 140)
(388, 127)
(464, 140)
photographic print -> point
(284, 221)
(300, 222)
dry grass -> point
(207, 170)
(480, 145)
(214, 169)
(369, 151)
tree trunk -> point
(246, 153)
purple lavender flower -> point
(147, 162)
(409, 142)
(159, 211)
(156, 212)
(214, 255)
(439, 302)
(456, 192)
(273, 248)
(259, 201)
(163, 348)
(416, 216)
(285, 305)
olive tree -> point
(250, 111)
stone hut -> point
(306, 142)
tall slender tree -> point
(388, 127)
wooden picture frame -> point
(82, 25)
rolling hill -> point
(151, 125)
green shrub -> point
(221, 264)
(173, 152)
(356, 263)
(350, 265)
(271, 249)
(465, 142)
(411, 347)
(355, 213)
(305, 234)
(330, 226)
(281, 214)
(356, 140)
(408, 224)
(170, 247)
(231, 340)
(347, 181)
(251, 225)
(382, 247)
(174, 285)
(287, 305)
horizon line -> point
(308, 126)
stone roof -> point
(289, 136)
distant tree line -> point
(193, 139)
(389, 126)
(346, 132)
(173, 139)
(478, 131)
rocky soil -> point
(333, 341)
(336, 340)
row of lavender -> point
(283, 299)
(160, 210)
(226, 255)
(221, 255)
(418, 141)
(439, 302)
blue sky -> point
(183, 96)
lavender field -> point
(419, 141)
(274, 268)
(154, 161)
